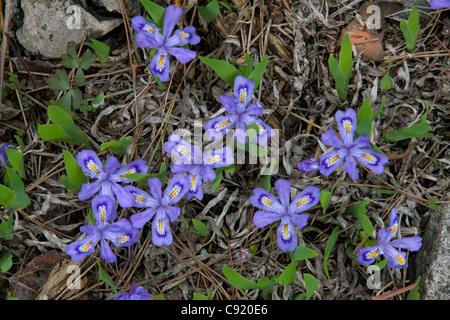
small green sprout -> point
(342, 71)
(411, 29)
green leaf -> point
(75, 175)
(325, 198)
(414, 293)
(418, 130)
(79, 77)
(99, 100)
(155, 11)
(257, 74)
(17, 199)
(63, 130)
(346, 58)
(5, 261)
(339, 78)
(77, 98)
(411, 29)
(216, 182)
(224, 70)
(199, 296)
(432, 203)
(6, 228)
(117, 147)
(383, 103)
(102, 275)
(358, 211)
(87, 59)
(311, 284)
(59, 81)
(330, 244)
(383, 191)
(200, 227)
(101, 49)
(237, 280)
(303, 253)
(15, 158)
(70, 60)
(364, 120)
(386, 81)
(210, 11)
(288, 274)
(265, 285)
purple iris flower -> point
(439, 4)
(348, 149)
(240, 115)
(199, 166)
(149, 36)
(286, 211)
(308, 165)
(396, 258)
(159, 206)
(136, 293)
(120, 233)
(108, 178)
(4, 162)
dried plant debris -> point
(129, 114)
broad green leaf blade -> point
(257, 74)
(5, 261)
(210, 11)
(224, 70)
(102, 275)
(339, 78)
(414, 294)
(15, 158)
(79, 77)
(200, 227)
(20, 199)
(413, 22)
(6, 195)
(346, 58)
(237, 280)
(59, 81)
(218, 178)
(199, 296)
(77, 98)
(288, 274)
(418, 130)
(325, 198)
(155, 11)
(330, 244)
(311, 284)
(6, 228)
(358, 211)
(74, 173)
(303, 253)
(265, 285)
(364, 112)
(87, 59)
(117, 147)
(70, 60)
(101, 49)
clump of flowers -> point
(349, 149)
(198, 165)
(136, 293)
(120, 233)
(160, 206)
(240, 115)
(284, 210)
(149, 36)
(386, 246)
(109, 177)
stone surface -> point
(50, 26)
(433, 259)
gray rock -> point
(50, 26)
(433, 259)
